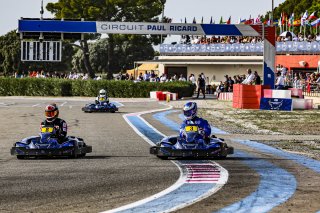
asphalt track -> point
(120, 170)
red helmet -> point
(51, 112)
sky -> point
(12, 10)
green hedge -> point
(64, 87)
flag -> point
(304, 18)
(221, 21)
(297, 23)
(194, 20)
(284, 17)
(211, 22)
(315, 23)
(291, 20)
(313, 16)
(258, 20)
(269, 22)
(229, 20)
(276, 22)
(281, 19)
(250, 21)
(242, 21)
(185, 20)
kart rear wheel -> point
(75, 150)
(20, 157)
(163, 157)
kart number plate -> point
(191, 129)
(101, 99)
(46, 129)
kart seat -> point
(173, 140)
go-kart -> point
(48, 145)
(100, 106)
(192, 145)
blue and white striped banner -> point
(134, 28)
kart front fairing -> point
(192, 141)
(44, 141)
(101, 106)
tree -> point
(298, 7)
(127, 49)
(10, 61)
(107, 10)
(9, 53)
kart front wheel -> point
(163, 157)
(20, 157)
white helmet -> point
(102, 92)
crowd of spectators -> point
(245, 39)
(219, 39)
(43, 74)
(300, 37)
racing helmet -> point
(102, 92)
(51, 112)
(190, 110)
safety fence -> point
(240, 49)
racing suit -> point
(60, 125)
(106, 99)
(202, 124)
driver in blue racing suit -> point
(102, 97)
(190, 113)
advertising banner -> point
(276, 104)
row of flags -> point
(284, 20)
(303, 20)
(211, 21)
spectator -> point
(249, 79)
(220, 88)
(146, 76)
(231, 83)
(131, 78)
(85, 77)
(163, 78)
(157, 78)
(201, 86)
(152, 75)
(257, 78)
(140, 77)
(192, 79)
(279, 81)
(296, 82)
(318, 37)
(226, 83)
(182, 78)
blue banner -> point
(276, 104)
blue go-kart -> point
(191, 146)
(48, 145)
(100, 106)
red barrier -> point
(247, 96)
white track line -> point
(183, 175)
(63, 103)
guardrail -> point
(238, 49)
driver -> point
(52, 120)
(102, 97)
(190, 113)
